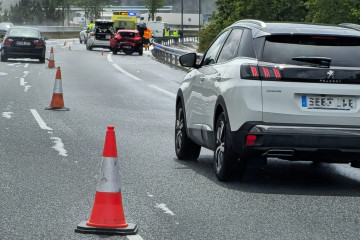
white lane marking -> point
(125, 72)
(165, 209)
(22, 81)
(59, 146)
(109, 58)
(134, 237)
(39, 120)
(3, 74)
(27, 88)
(7, 114)
(163, 91)
(26, 73)
(150, 195)
(26, 65)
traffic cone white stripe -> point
(58, 86)
(109, 179)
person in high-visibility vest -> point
(167, 32)
(91, 25)
(175, 33)
(147, 36)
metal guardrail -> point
(171, 55)
(48, 29)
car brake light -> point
(8, 41)
(250, 140)
(92, 34)
(258, 72)
(137, 38)
(38, 43)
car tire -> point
(88, 47)
(185, 148)
(114, 51)
(42, 60)
(226, 163)
(80, 40)
(4, 58)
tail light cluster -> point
(260, 72)
(8, 41)
(38, 43)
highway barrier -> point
(107, 215)
(169, 55)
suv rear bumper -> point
(299, 142)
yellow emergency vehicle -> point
(124, 20)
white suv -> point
(290, 91)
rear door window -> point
(343, 51)
(246, 48)
(230, 48)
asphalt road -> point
(50, 160)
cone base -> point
(58, 108)
(131, 229)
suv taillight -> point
(39, 43)
(260, 72)
(8, 41)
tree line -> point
(306, 11)
(51, 12)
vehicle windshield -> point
(23, 32)
(127, 34)
(283, 49)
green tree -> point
(229, 11)
(153, 6)
(93, 8)
(333, 11)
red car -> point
(128, 41)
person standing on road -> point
(147, 36)
(91, 25)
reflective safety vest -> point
(167, 33)
(147, 33)
(91, 25)
(175, 33)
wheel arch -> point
(220, 107)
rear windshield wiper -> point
(323, 61)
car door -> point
(222, 72)
(207, 70)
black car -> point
(4, 27)
(23, 42)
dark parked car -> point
(4, 27)
(128, 41)
(23, 42)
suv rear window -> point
(343, 51)
(128, 34)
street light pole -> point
(182, 16)
(199, 14)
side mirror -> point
(46, 38)
(188, 60)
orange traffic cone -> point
(64, 43)
(51, 60)
(57, 101)
(102, 52)
(107, 216)
(69, 48)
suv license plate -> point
(127, 47)
(328, 102)
(21, 43)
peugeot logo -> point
(330, 75)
